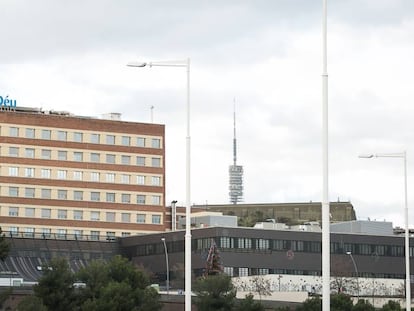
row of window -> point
(79, 195)
(63, 233)
(78, 156)
(32, 172)
(289, 246)
(80, 137)
(81, 215)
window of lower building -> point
(14, 131)
(62, 135)
(125, 179)
(78, 156)
(110, 216)
(28, 232)
(229, 271)
(126, 217)
(95, 138)
(78, 137)
(46, 134)
(78, 233)
(61, 233)
(62, 214)
(62, 194)
(126, 198)
(46, 193)
(156, 143)
(78, 215)
(13, 171)
(126, 160)
(46, 213)
(77, 175)
(156, 219)
(140, 141)
(95, 235)
(156, 200)
(46, 154)
(13, 211)
(14, 231)
(110, 158)
(155, 162)
(13, 191)
(140, 161)
(62, 155)
(61, 174)
(30, 133)
(95, 215)
(45, 173)
(95, 196)
(78, 195)
(29, 172)
(95, 176)
(110, 197)
(140, 199)
(13, 151)
(141, 218)
(243, 271)
(46, 232)
(29, 192)
(126, 140)
(29, 153)
(110, 177)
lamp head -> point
(136, 64)
(163, 239)
(366, 156)
(348, 253)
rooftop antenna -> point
(152, 114)
(234, 133)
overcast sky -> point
(71, 55)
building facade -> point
(300, 212)
(69, 175)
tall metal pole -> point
(168, 266)
(187, 256)
(356, 271)
(188, 202)
(402, 155)
(326, 299)
(407, 240)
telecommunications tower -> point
(235, 171)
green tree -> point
(116, 285)
(363, 305)
(391, 306)
(31, 303)
(55, 287)
(341, 302)
(311, 304)
(214, 292)
(4, 246)
(248, 304)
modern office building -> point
(63, 174)
(297, 213)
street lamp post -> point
(402, 155)
(356, 271)
(186, 64)
(168, 267)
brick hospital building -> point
(62, 175)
